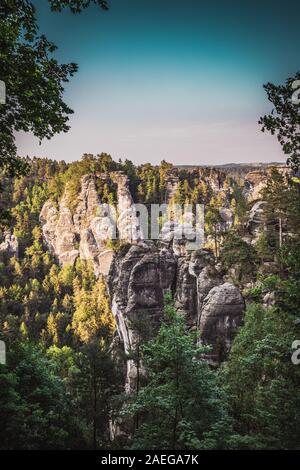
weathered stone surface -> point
(184, 236)
(255, 222)
(196, 276)
(10, 245)
(48, 220)
(186, 291)
(213, 177)
(140, 275)
(128, 223)
(65, 235)
(207, 280)
(269, 299)
(220, 316)
(227, 217)
(86, 232)
(255, 182)
(58, 231)
(88, 203)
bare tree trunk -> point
(94, 407)
(280, 232)
(137, 417)
(216, 242)
(175, 424)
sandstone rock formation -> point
(221, 314)
(10, 245)
(128, 222)
(255, 222)
(171, 186)
(255, 182)
(59, 231)
(184, 235)
(140, 274)
(227, 217)
(86, 232)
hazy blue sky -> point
(174, 79)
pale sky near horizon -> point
(173, 80)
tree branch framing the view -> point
(34, 79)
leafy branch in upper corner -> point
(284, 120)
(34, 79)
(77, 6)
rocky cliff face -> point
(220, 316)
(255, 222)
(254, 183)
(86, 232)
(10, 245)
(142, 271)
(140, 276)
(211, 305)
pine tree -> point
(92, 317)
(35, 411)
(238, 254)
(180, 406)
(261, 382)
(213, 221)
(276, 195)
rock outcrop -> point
(10, 245)
(59, 231)
(213, 306)
(227, 218)
(171, 183)
(127, 222)
(255, 222)
(221, 314)
(140, 275)
(85, 232)
(255, 181)
(141, 272)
